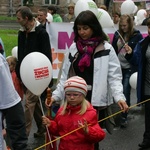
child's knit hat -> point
(76, 84)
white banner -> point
(132, 0)
(61, 38)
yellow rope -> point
(89, 124)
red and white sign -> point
(41, 73)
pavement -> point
(121, 139)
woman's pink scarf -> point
(86, 49)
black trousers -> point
(147, 119)
(15, 126)
(101, 115)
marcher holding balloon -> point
(126, 35)
(141, 56)
(32, 37)
(93, 58)
(76, 112)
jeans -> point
(126, 73)
(16, 130)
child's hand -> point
(49, 104)
(46, 121)
(84, 125)
(4, 132)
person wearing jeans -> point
(126, 34)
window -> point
(50, 1)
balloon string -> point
(119, 35)
(46, 126)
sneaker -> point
(123, 123)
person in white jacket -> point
(11, 109)
(94, 59)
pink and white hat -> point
(76, 84)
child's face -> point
(11, 65)
(74, 98)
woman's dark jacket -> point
(138, 58)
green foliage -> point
(7, 18)
(9, 38)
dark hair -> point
(53, 8)
(117, 13)
(44, 10)
(25, 12)
(88, 18)
(148, 22)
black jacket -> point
(35, 41)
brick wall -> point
(5, 8)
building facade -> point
(8, 7)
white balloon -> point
(127, 7)
(141, 14)
(135, 9)
(135, 20)
(83, 5)
(133, 80)
(104, 18)
(14, 52)
(36, 72)
(49, 17)
(139, 22)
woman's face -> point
(84, 31)
(124, 26)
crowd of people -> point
(94, 75)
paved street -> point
(121, 139)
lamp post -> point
(10, 8)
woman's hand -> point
(84, 125)
(128, 49)
(46, 121)
(123, 105)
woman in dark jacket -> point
(126, 34)
(141, 57)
